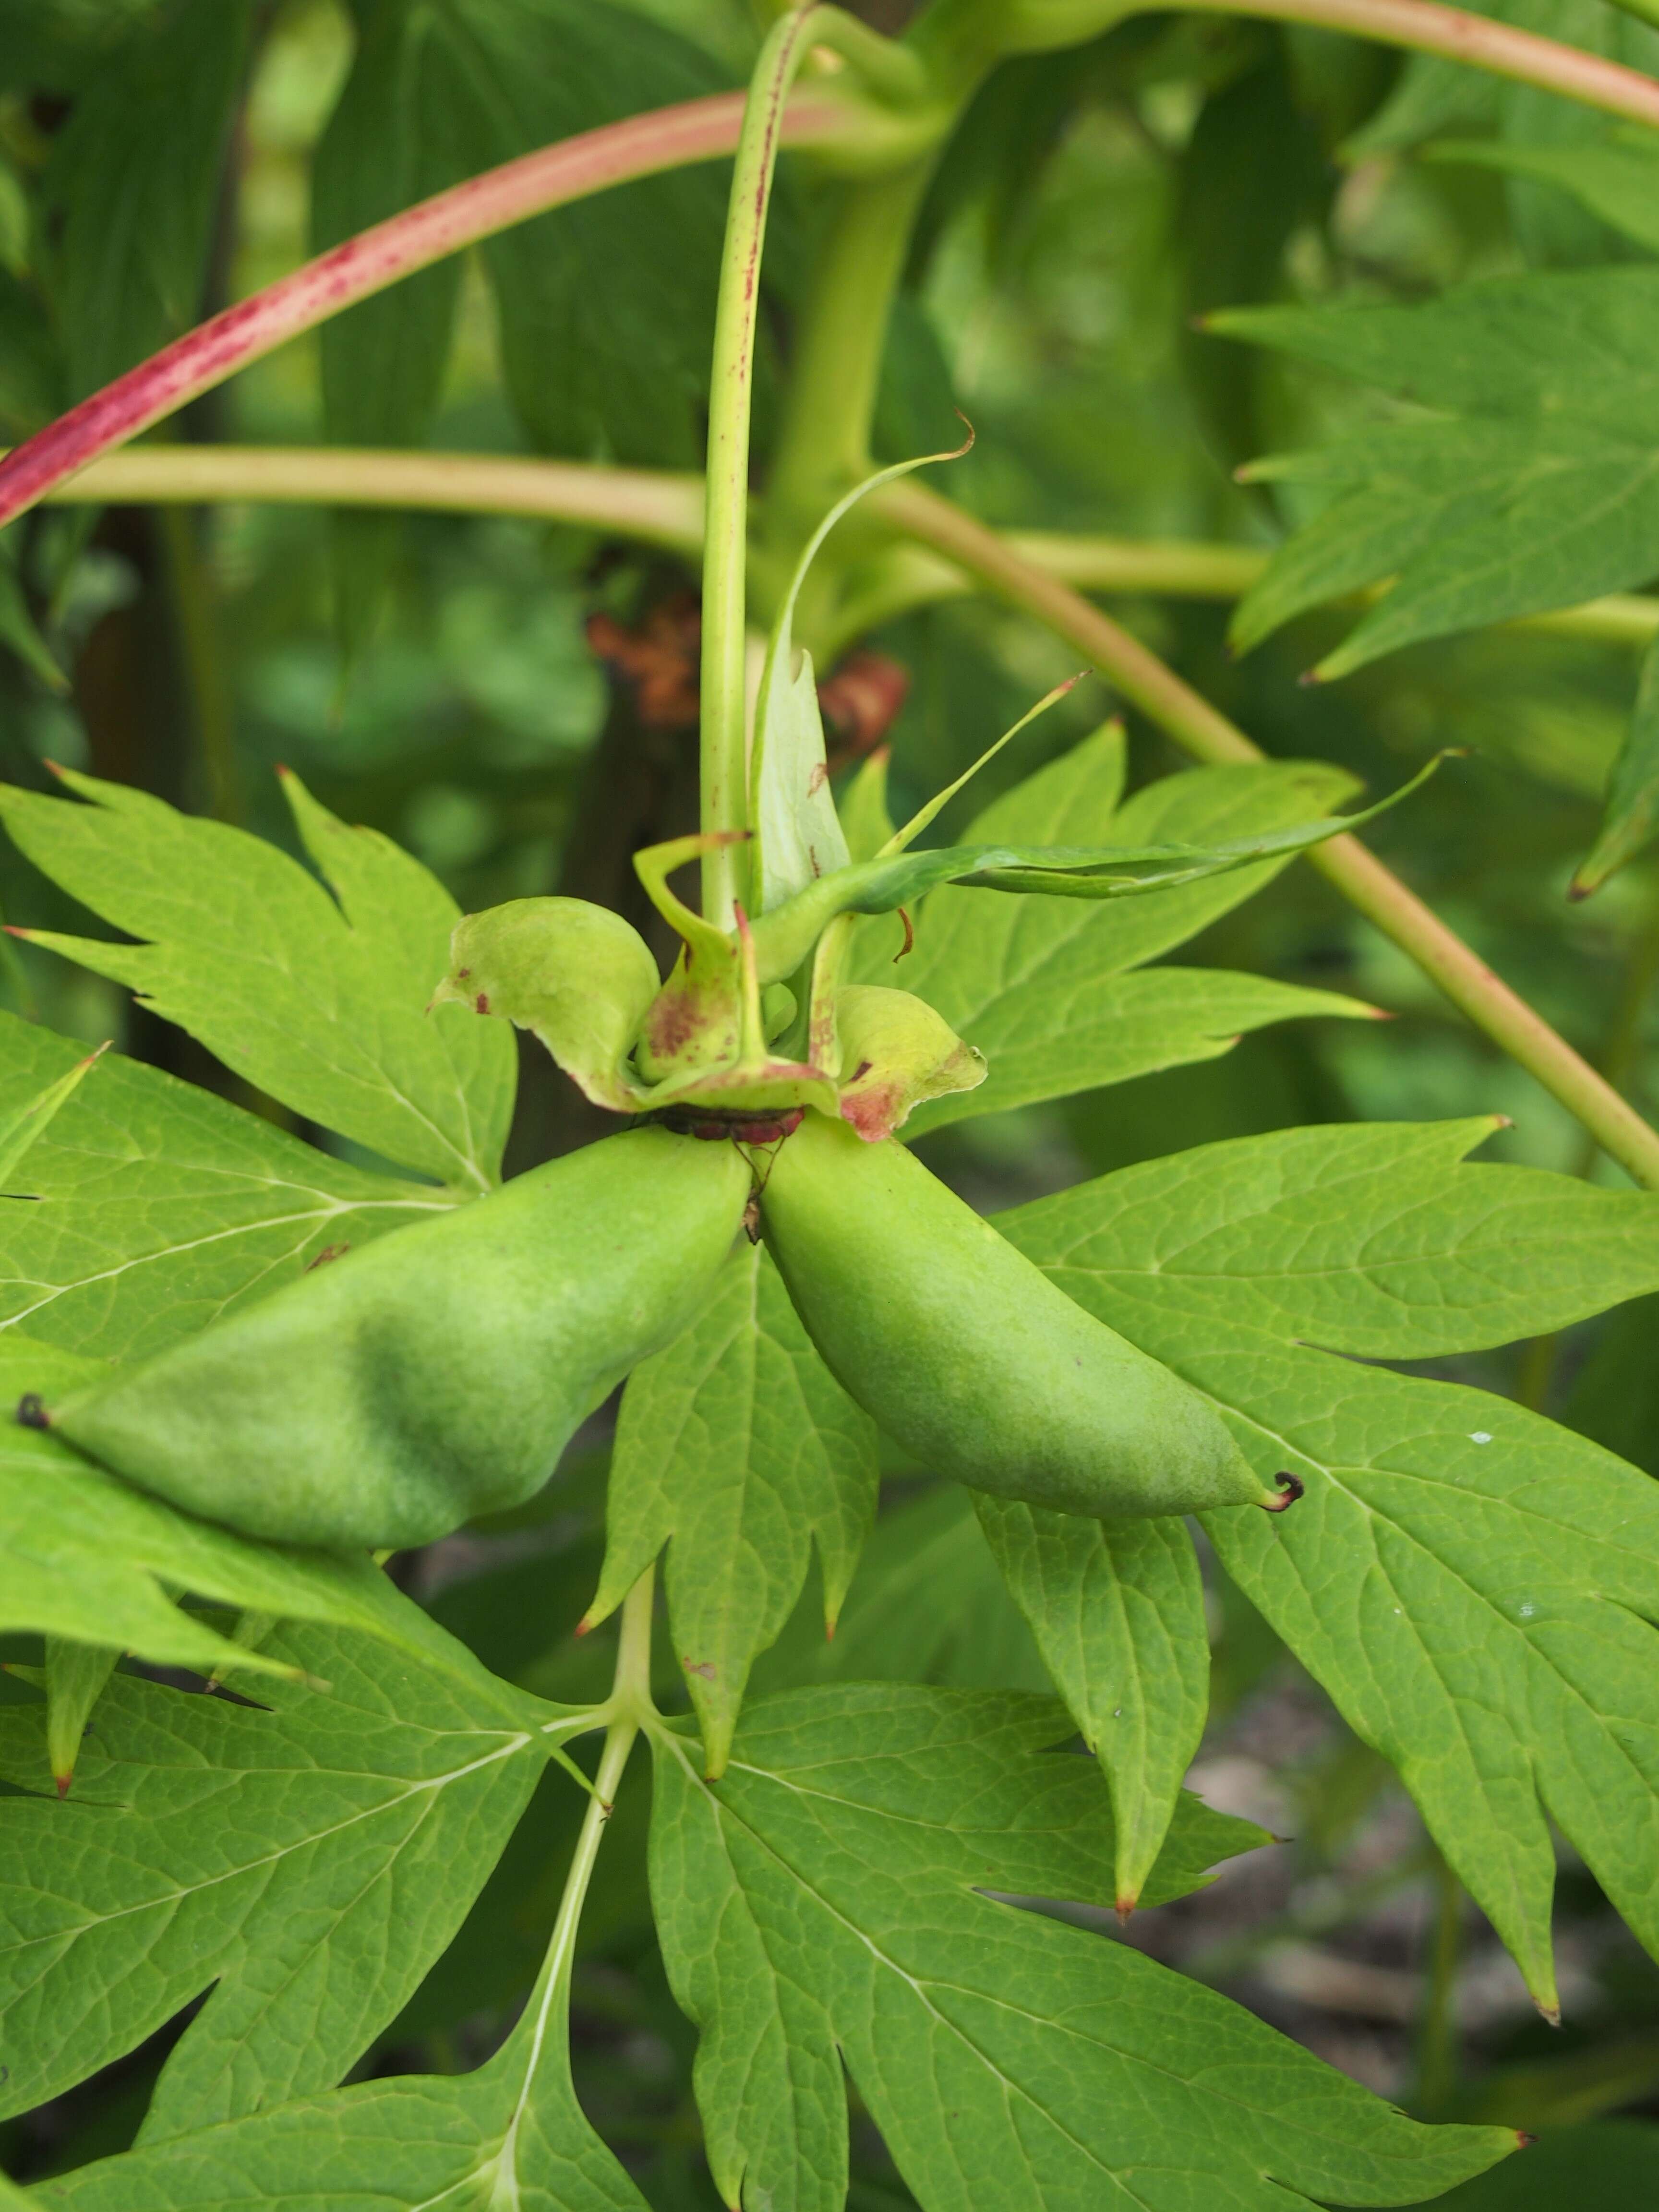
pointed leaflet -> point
(1535, 486)
(1602, 2163)
(1472, 1586)
(825, 1903)
(738, 1449)
(155, 1207)
(1040, 985)
(22, 1128)
(308, 1862)
(85, 1555)
(75, 1675)
(511, 2135)
(319, 999)
(1117, 1609)
(797, 833)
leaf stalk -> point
(1203, 730)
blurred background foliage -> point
(434, 677)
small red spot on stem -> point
(481, 1004)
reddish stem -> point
(1461, 36)
(642, 146)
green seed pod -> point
(436, 1374)
(970, 1357)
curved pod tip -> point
(1287, 1488)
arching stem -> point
(1204, 730)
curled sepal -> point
(577, 977)
(896, 1053)
(892, 879)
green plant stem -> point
(726, 544)
(1184, 568)
(823, 440)
(554, 176)
(1202, 730)
(1438, 2067)
(627, 1708)
(211, 706)
(652, 507)
(655, 507)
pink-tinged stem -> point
(643, 146)
(1459, 36)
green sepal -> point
(784, 938)
(895, 1054)
(577, 977)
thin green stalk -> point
(907, 578)
(657, 507)
(652, 506)
(628, 1709)
(211, 705)
(726, 544)
(1200, 729)
(1437, 2057)
(824, 438)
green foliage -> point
(1117, 1609)
(882, 1859)
(86, 1557)
(154, 1207)
(828, 1894)
(320, 1000)
(133, 186)
(1045, 988)
(366, 1819)
(1526, 486)
(737, 1448)
(1474, 1587)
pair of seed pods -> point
(437, 1374)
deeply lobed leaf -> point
(309, 1859)
(319, 999)
(825, 1903)
(1476, 1588)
